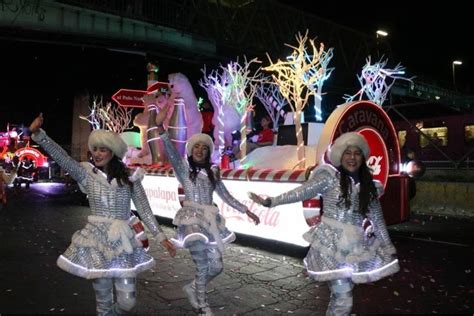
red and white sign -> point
(34, 154)
(284, 223)
(378, 159)
(129, 98)
(372, 122)
(160, 87)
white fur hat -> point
(109, 139)
(344, 141)
(199, 138)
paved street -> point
(260, 277)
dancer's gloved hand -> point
(258, 199)
(253, 217)
(169, 246)
(36, 124)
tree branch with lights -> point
(243, 83)
(109, 116)
(218, 91)
(272, 100)
(373, 81)
(299, 77)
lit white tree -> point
(373, 81)
(109, 116)
(243, 85)
(299, 77)
(323, 74)
(218, 91)
(271, 98)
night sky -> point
(425, 36)
(425, 39)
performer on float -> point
(201, 228)
(351, 244)
(106, 249)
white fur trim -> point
(209, 213)
(344, 141)
(379, 187)
(137, 175)
(199, 138)
(109, 139)
(98, 175)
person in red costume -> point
(207, 114)
(262, 138)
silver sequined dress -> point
(199, 218)
(338, 246)
(106, 246)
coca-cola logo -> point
(378, 161)
(269, 216)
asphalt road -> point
(260, 277)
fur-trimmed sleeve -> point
(379, 188)
(137, 175)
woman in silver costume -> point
(201, 228)
(106, 249)
(351, 243)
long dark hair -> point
(116, 169)
(195, 168)
(367, 190)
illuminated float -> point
(15, 151)
(290, 165)
(11, 145)
(287, 223)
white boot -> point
(205, 311)
(190, 291)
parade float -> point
(14, 144)
(272, 170)
(16, 153)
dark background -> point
(42, 77)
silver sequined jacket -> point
(201, 191)
(106, 246)
(339, 248)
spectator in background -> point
(436, 140)
(409, 155)
(263, 137)
(207, 114)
